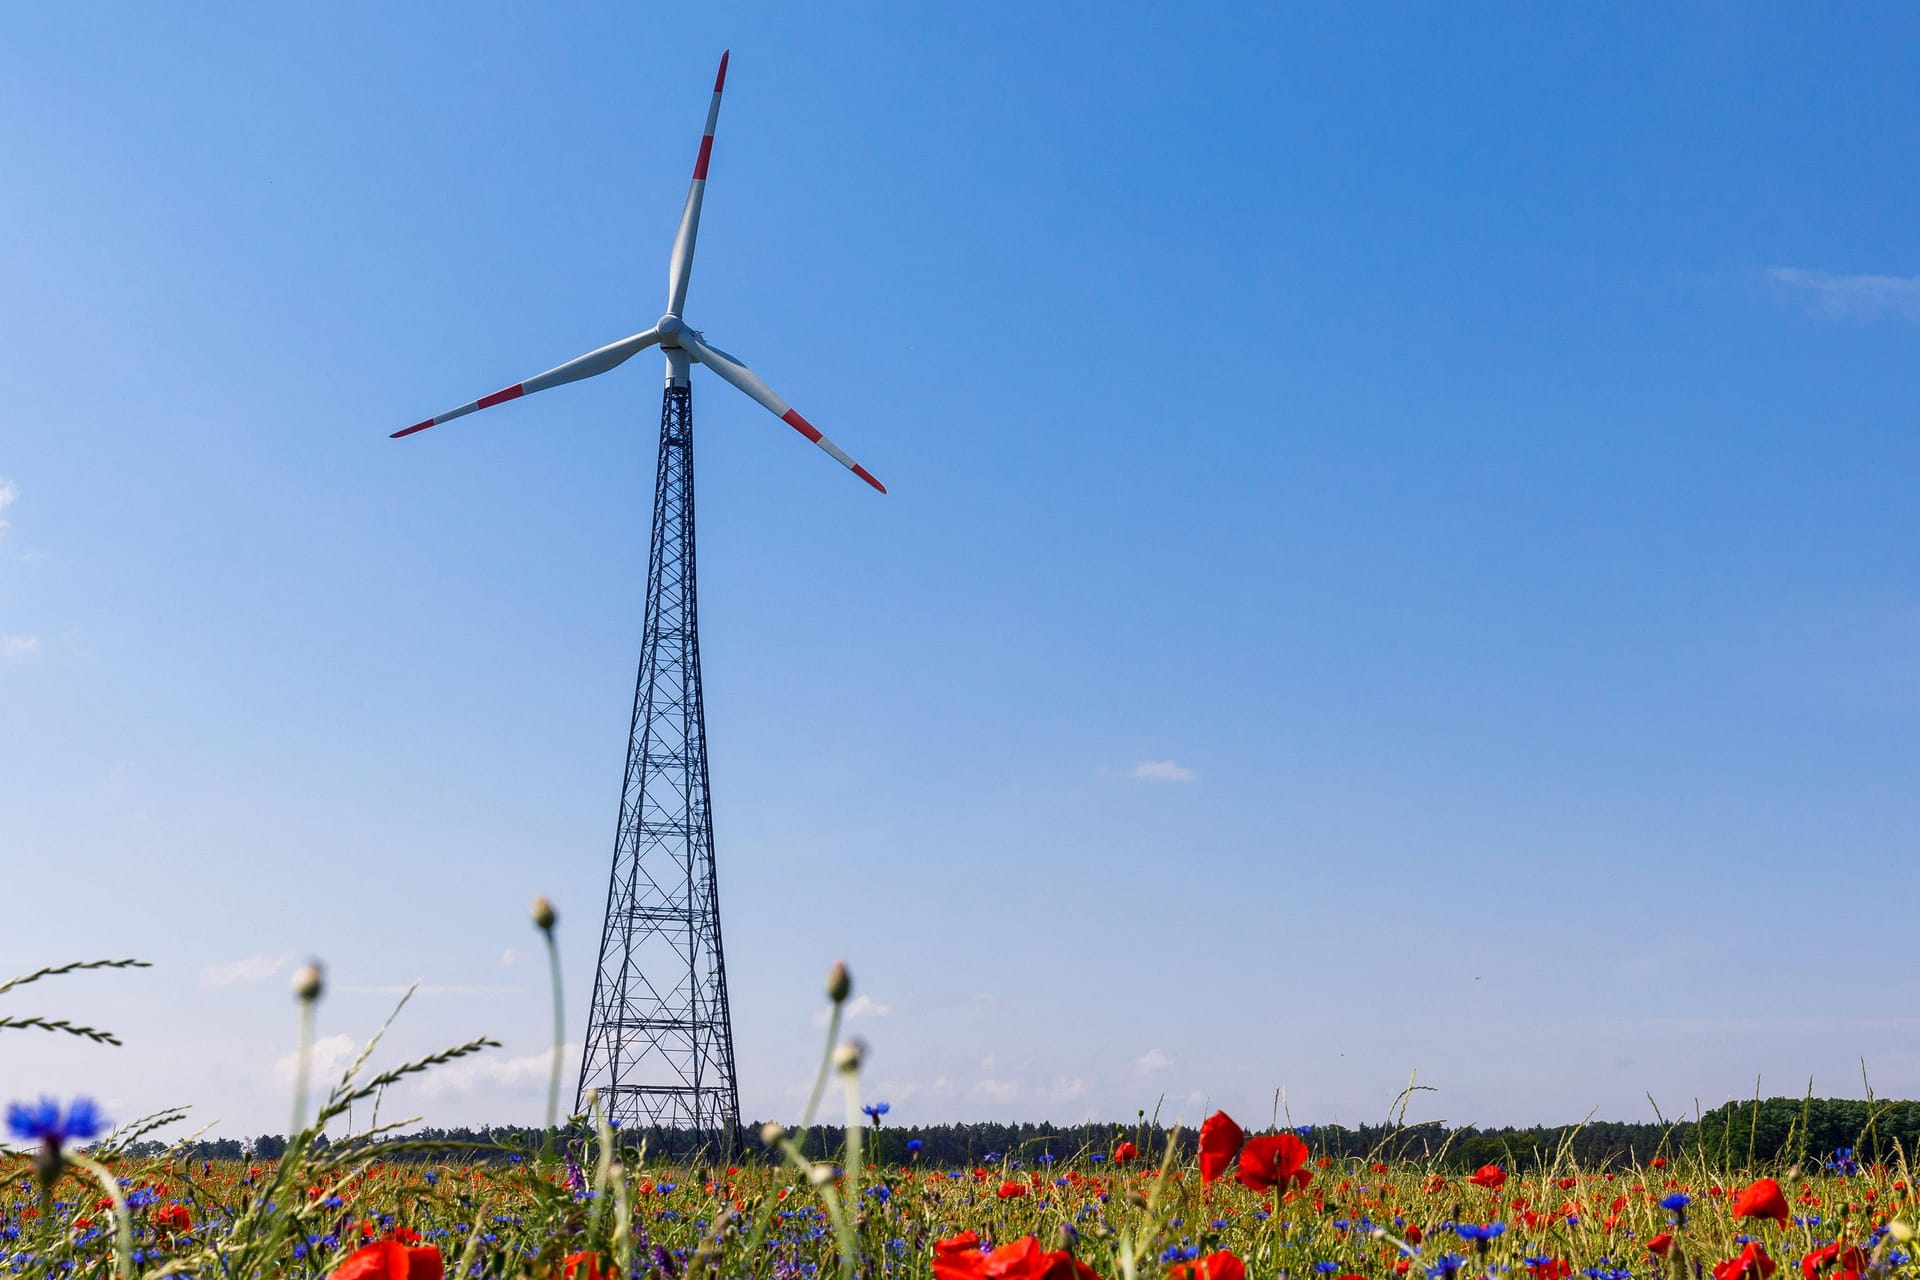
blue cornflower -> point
(1677, 1202)
(1047, 1158)
(42, 1122)
(1326, 1268)
(913, 1145)
(1492, 1231)
(991, 1156)
(876, 1110)
(1446, 1266)
(1098, 1157)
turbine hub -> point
(671, 327)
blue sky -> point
(1469, 449)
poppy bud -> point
(309, 982)
(544, 914)
(847, 1055)
(771, 1133)
(839, 982)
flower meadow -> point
(589, 1203)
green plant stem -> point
(303, 1063)
(559, 1040)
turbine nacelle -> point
(681, 344)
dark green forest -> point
(1771, 1133)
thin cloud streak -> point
(246, 971)
(1162, 771)
(1856, 296)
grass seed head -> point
(544, 914)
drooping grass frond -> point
(54, 971)
(344, 1097)
(94, 1034)
(131, 1132)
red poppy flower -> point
(1010, 1190)
(1277, 1159)
(1662, 1244)
(1220, 1141)
(1414, 1234)
(582, 1266)
(1658, 1162)
(169, 1219)
(1852, 1260)
(1215, 1266)
(1551, 1269)
(959, 1258)
(1490, 1176)
(1762, 1200)
(1125, 1153)
(390, 1260)
(1752, 1264)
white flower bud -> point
(310, 981)
(847, 1055)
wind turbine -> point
(660, 1040)
(671, 333)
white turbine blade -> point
(586, 366)
(748, 381)
(680, 268)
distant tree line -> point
(1770, 1133)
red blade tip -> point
(720, 81)
(418, 426)
(866, 475)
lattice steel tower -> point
(659, 1041)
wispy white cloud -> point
(16, 647)
(330, 1056)
(247, 970)
(994, 1091)
(509, 958)
(1162, 771)
(1860, 296)
(861, 1006)
(9, 494)
(425, 989)
(523, 1075)
(1152, 1062)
